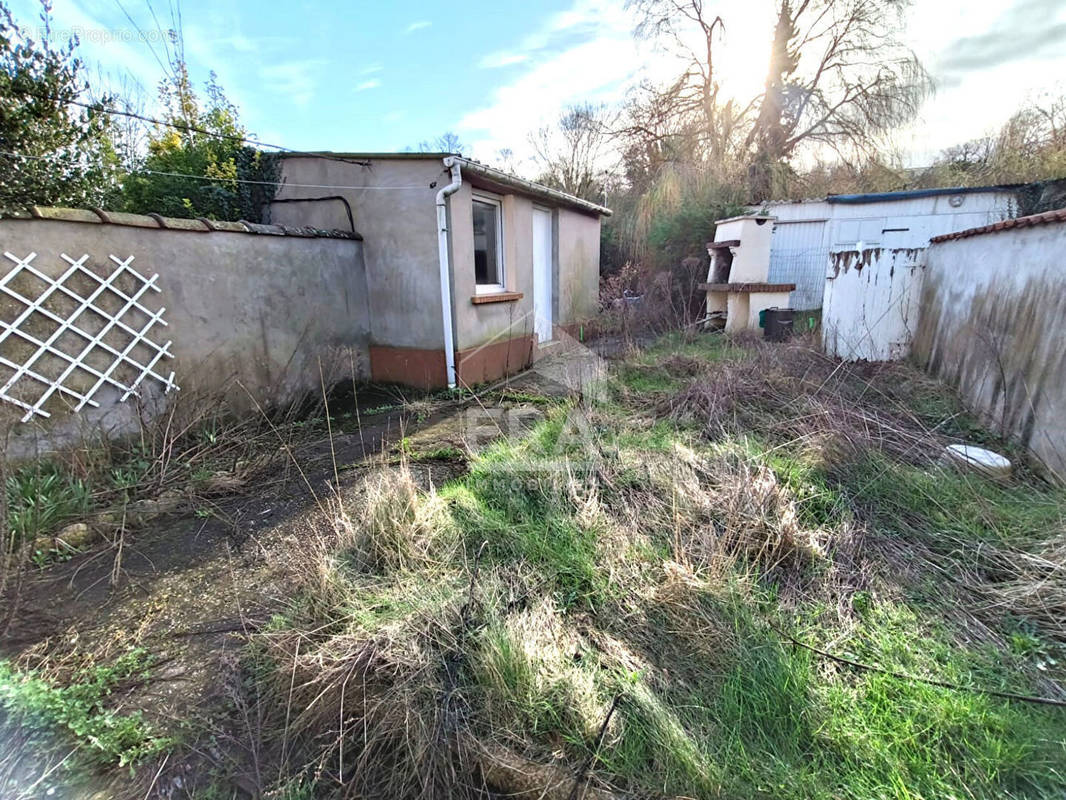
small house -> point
(472, 273)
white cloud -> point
(417, 26)
(584, 54)
(961, 109)
(373, 83)
(371, 69)
(394, 116)
(295, 80)
(239, 42)
(502, 59)
(119, 49)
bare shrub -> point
(642, 301)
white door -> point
(542, 274)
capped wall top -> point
(97, 216)
(1033, 220)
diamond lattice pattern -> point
(63, 339)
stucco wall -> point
(578, 267)
(575, 271)
(871, 304)
(256, 308)
(992, 323)
(393, 202)
(477, 325)
(396, 213)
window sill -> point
(496, 297)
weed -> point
(41, 498)
(78, 709)
(647, 547)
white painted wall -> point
(807, 232)
(993, 324)
(871, 303)
(751, 258)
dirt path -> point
(186, 585)
(183, 585)
(180, 586)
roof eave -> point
(532, 188)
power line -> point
(144, 38)
(184, 127)
(239, 180)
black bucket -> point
(778, 324)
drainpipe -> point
(445, 272)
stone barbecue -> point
(737, 287)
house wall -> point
(807, 232)
(992, 322)
(577, 290)
(394, 205)
(497, 338)
(871, 306)
(398, 216)
(257, 309)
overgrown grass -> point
(643, 550)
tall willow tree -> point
(839, 77)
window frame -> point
(501, 270)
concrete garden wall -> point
(256, 304)
(993, 323)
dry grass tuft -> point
(403, 528)
(795, 394)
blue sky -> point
(382, 76)
(373, 76)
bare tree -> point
(571, 154)
(693, 100)
(1031, 146)
(506, 160)
(839, 77)
(447, 142)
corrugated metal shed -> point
(807, 232)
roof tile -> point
(1047, 218)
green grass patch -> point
(647, 379)
(611, 553)
(78, 710)
(707, 347)
(935, 503)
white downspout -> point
(445, 272)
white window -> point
(488, 244)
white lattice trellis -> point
(28, 388)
